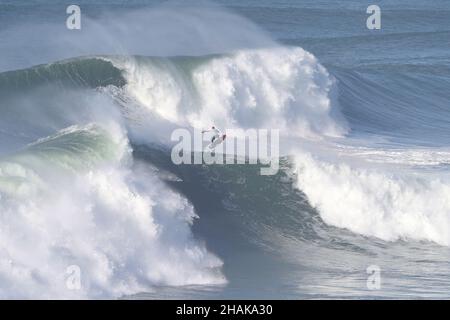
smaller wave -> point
(389, 201)
(75, 199)
(410, 107)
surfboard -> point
(218, 141)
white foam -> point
(283, 88)
(390, 202)
(119, 223)
(275, 88)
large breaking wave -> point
(113, 218)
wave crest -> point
(390, 203)
(283, 88)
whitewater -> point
(86, 177)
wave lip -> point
(284, 88)
(83, 72)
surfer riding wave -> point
(217, 137)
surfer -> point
(216, 133)
(217, 137)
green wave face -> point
(76, 149)
(79, 72)
(88, 72)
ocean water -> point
(87, 181)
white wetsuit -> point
(216, 135)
